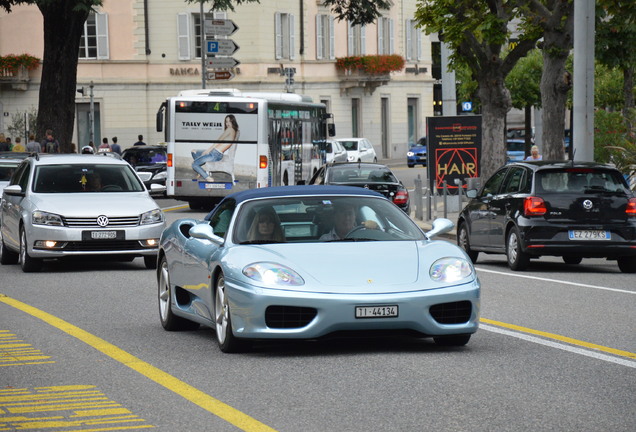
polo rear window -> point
(580, 180)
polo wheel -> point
(627, 264)
(453, 340)
(27, 263)
(150, 261)
(463, 241)
(517, 259)
(572, 259)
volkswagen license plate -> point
(389, 311)
(103, 235)
(589, 235)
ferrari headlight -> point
(450, 270)
(44, 218)
(151, 217)
(273, 275)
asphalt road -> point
(81, 348)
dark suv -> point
(149, 161)
(573, 210)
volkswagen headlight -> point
(151, 217)
(44, 218)
(450, 270)
(273, 275)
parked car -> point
(372, 176)
(516, 150)
(335, 152)
(66, 205)
(358, 149)
(295, 284)
(416, 155)
(7, 168)
(150, 163)
(574, 210)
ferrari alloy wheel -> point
(27, 263)
(228, 343)
(169, 320)
(464, 243)
(517, 258)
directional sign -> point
(225, 47)
(222, 62)
(220, 75)
(219, 27)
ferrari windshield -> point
(80, 178)
(322, 219)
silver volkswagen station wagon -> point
(66, 205)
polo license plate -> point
(589, 235)
(383, 311)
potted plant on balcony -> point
(12, 64)
(370, 64)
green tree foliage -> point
(478, 34)
(358, 11)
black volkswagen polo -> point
(570, 209)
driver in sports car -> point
(345, 221)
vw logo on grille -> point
(587, 204)
(102, 221)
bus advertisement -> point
(219, 142)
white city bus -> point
(276, 139)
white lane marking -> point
(556, 281)
(564, 347)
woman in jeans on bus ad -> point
(216, 151)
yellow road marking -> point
(560, 338)
(182, 207)
(192, 394)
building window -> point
(356, 38)
(385, 36)
(284, 28)
(189, 33)
(413, 38)
(325, 37)
(94, 40)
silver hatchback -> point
(68, 205)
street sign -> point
(219, 27)
(224, 47)
(467, 106)
(220, 75)
(222, 62)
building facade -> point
(135, 53)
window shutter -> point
(183, 32)
(350, 40)
(381, 22)
(363, 40)
(391, 38)
(292, 38)
(332, 40)
(278, 36)
(319, 37)
(407, 34)
(419, 43)
(101, 24)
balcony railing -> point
(18, 78)
(359, 79)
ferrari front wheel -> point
(228, 343)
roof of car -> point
(305, 190)
(355, 164)
(546, 164)
(147, 147)
(75, 158)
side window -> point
(220, 219)
(512, 184)
(492, 185)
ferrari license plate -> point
(589, 235)
(388, 311)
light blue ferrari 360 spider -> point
(304, 262)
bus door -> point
(275, 154)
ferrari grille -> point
(289, 316)
(451, 313)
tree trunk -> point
(555, 80)
(628, 90)
(63, 28)
(496, 103)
